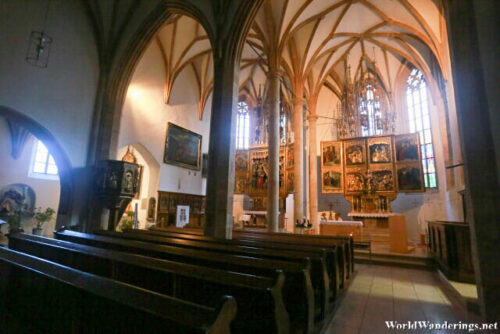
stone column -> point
(298, 153)
(220, 180)
(313, 170)
(273, 187)
(473, 40)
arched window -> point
(419, 121)
(369, 110)
(282, 128)
(242, 126)
(42, 162)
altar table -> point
(341, 227)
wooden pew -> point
(298, 290)
(346, 242)
(320, 272)
(260, 304)
(52, 298)
(333, 258)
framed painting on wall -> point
(182, 147)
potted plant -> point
(128, 221)
(41, 218)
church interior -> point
(216, 166)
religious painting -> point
(409, 178)
(355, 182)
(379, 153)
(258, 173)
(331, 182)
(354, 152)
(290, 157)
(407, 147)
(282, 173)
(182, 147)
(17, 197)
(289, 182)
(259, 203)
(241, 161)
(240, 171)
(331, 153)
(240, 184)
(383, 180)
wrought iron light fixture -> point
(39, 44)
(362, 111)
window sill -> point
(41, 176)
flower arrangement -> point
(303, 224)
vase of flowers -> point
(41, 217)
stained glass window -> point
(369, 109)
(43, 162)
(419, 121)
(242, 126)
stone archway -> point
(60, 157)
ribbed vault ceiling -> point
(314, 40)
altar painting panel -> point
(407, 147)
(381, 164)
(258, 172)
(382, 179)
(331, 182)
(289, 181)
(290, 162)
(240, 171)
(332, 173)
(409, 173)
(355, 153)
(355, 180)
(331, 154)
(282, 182)
(379, 150)
(410, 177)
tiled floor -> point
(380, 293)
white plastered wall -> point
(144, 121)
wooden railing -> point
(449, 244)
